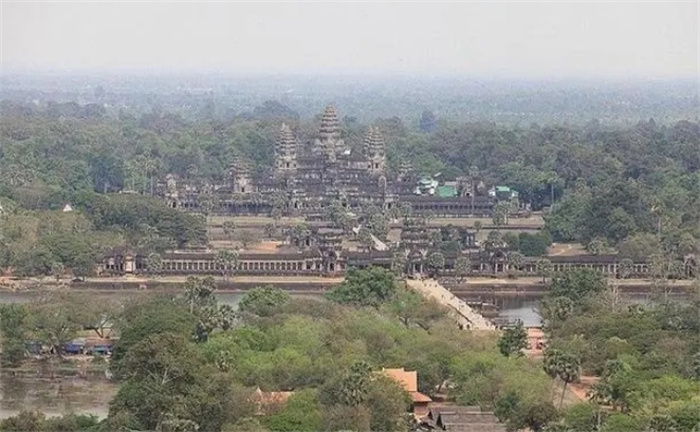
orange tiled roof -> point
(407, 379)
(420, 397)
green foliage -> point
(577, 284)
(436, 261)
(150, 318)
(199, 292)
(582, 417)
(412, 308)
(513, 340)
(263, 301)
(643, 355)
(364, 287)
(563, 365)
(301, 413)
(484, 378)
(226, 261)
(13, 330)
(533, 245)
(388, 404)
(621, 423)
(27, 421)
(462, 266)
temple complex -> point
(321, 176)
(309, 174)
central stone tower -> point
(329, 140)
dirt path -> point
(560, 250)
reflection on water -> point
(54, 393)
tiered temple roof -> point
(374, 142)
(239, 166)
(330, 126)
(286, 142)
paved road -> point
(466, 316)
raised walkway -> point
(466, 316)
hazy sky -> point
(533, 39)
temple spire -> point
(329, 141)
(330, 125)
(374, 150)
(285, 149)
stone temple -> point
(310, 174)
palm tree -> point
(500, 213)
(436, 260)
(57, 269)
(229, 227)
(154, 263)
(515, 260)
(364, 236)
(463, 266)
(199, 292)
(226, 261)
(544, 268)
(596, 246)
(354, 386)
(494, 240)
(564, 365)
(298, 234)
(398, 263)
(625, 268)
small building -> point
(503, 193)
(447, 191)
(409, 381)
(456, 418)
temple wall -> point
(324, 266)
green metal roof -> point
(502, 189)
(446, 191)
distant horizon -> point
(190, 73)
(533, 40)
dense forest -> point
(633, 188)
(187, 363)
(456, 98)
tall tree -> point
(515, 260)
(199, 292)
(365, 287)
(513, 340)
(226, 261)
(436, 261)
(544, 268)
(229, 227)
(566, 366)
(154, 263)
(463, 266)
(625, 268)
(398, 263)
